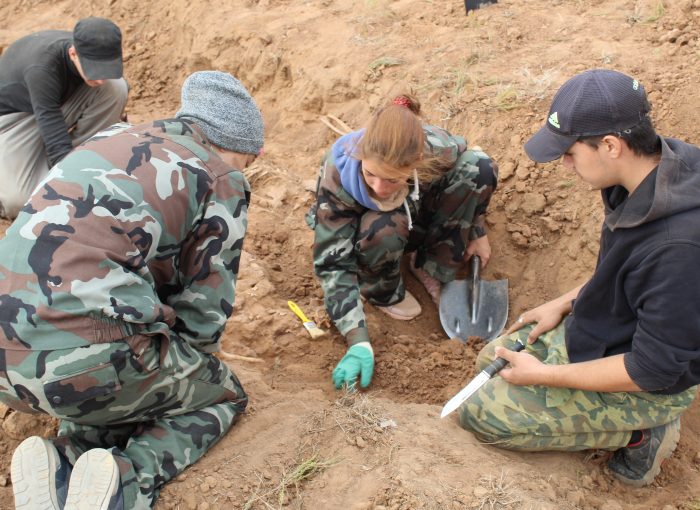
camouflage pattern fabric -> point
(537, 418)
(116, 281)
(158, 404)
(144, 226)
(357, 251)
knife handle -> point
(496, 365)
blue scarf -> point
(350, 169)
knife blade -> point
(487, 373)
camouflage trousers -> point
(157, 404)
(537, 418)
(442, 227)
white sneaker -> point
(404, 310)
(95, 482)
(39, 475)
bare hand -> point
(523, 370)
(480, 247)
(546, 317)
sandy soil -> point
(488, 76)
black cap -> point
(98, 43)
(595, 102)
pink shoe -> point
(404, 310)
(433, 286)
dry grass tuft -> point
(263, 172)
(537, 85)
(361, 420)
(506, 98)
(275, 494)
(495, 493)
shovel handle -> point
(476, 269)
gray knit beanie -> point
(223, 109)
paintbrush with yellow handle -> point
(310, 326)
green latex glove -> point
(358, 361)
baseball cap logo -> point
(635, 85)
(554, 120)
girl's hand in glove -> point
(358, 361)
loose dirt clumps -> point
(488, 76)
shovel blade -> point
(492, 309)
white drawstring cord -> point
(416, 191)
(415, 196)
(408, 213)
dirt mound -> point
(488, 76)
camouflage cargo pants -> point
(442, 228)
(157, 405)
(536, 418)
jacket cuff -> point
(478, 229)
(357, 335)
(641, 376)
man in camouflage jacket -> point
(116, 281)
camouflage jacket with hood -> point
(137, 231)
(342, 199)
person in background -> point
(613, 363)
(116, 281)
(57, 89)
(398, 186)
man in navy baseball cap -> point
(613, 363)
(592, 103)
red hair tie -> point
(402, 101)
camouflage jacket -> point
(335, 218)
(139, 230)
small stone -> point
(361, 443)
(551, 225)
(506, 170)
(533, 202)
(522, 173)
(519, 239)
(3, 481)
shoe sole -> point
(666, 449)
(93, 482)
(33, 471)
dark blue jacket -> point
(643, 299)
